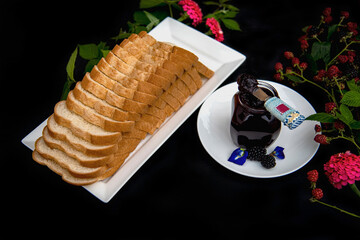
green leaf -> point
(229, 14)
(104, 53)
(322, 117)
(294, 78)
(122, 34)
(150, 3)
(102, 45)
(141, 18)
(312, 64)
(231, 24)
(71, 65)
(231, 7)
(153, 20)
(352, 85)
(321, 51)
(91, 63)
(351, 98)
(66, 88)
(331, 31)
(346, 113)
(211, 3)
(161, 15)
(88, 51)
(355, 124)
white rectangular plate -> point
(216, 56)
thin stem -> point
(350, 139)
(345, 48)
(338, 85)
(317, 85)
(334, 207)
(355, 189)
(170, 10)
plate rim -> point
(246, 174)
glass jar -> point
(251, 123)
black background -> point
(180, 192)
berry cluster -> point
(316, 193)
(328, 51)
(258, 153)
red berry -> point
(288, 55)
(278, 67)
(328, 19)
(304, 44)
(289, 70)
(319, 77)
(278, 77)
(333, 71)
(321, 138)
(352, 26)
(313, 175)
(345, 14)
(329, 107)
(339, 125)
(317, 128)
(317, 193)
(343, 58)
(351, 53)
(303, 65)
(295, 61)
(327, 11)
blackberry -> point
(256, 153)
(351, 73)
(313, 31)
(268, 161)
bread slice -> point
(65, 174)
(110, 83)
(62, 133)
(203, 70)
(110, 97)
(84, 159)
(81, 128)
(99, 105)
(127, 82)
(145, 39)
(67, 162)
(91, 116)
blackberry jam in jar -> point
(251, 123)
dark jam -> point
(251, 123)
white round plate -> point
(213, 126)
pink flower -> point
(343, 169)
(215, 29)
(193, 10)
